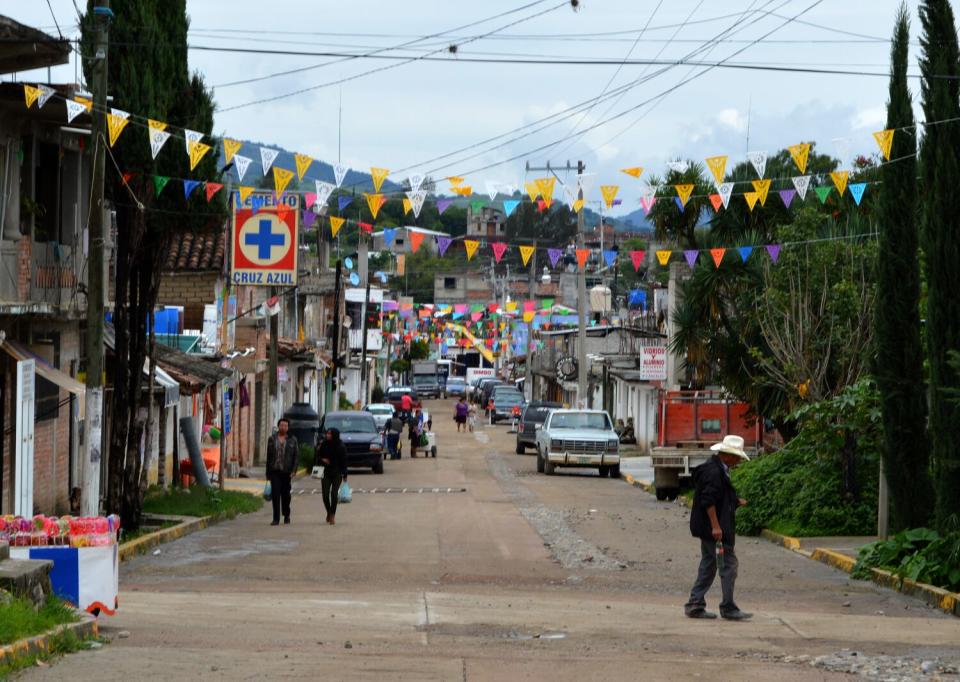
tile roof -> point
(195, 251)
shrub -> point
(824, 481)
(376, 395)
(919, 554)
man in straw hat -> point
(712, 520)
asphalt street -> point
(472, 566)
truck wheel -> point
(521, 448)
(661, 494)
(378, 467)
(604, 472)
(539, 463)
(615, 471)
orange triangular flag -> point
(374, 202)
(717, 202)
(684, 192)
(455, 180)
(751, 198)
(884, 138)
(582, 255)
(303, 163)
(635, 171)
(762, 188)
(378, 175)
(471, 245)
(717, 256)
(282, 212)
(416, 239)
(840, 180)
(335, 225)
(609, 193)
(281, 178)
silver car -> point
(381, 413)
(578, 438)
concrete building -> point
(487, 223)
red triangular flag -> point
(213, 188)
(637, 258)
(127, 177)
(541, 205)
(366, 227)
(717, 256)
(416, 239)
(717, 202)
(582, 255)
(499, 248)
(282, 212)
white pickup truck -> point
(578, 438)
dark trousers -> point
(330, 487)
(393, 442)
(706, 574)
(280, 494)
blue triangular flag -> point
(679, 203)
(610, 257)
(510, 206)
(343, 202)
(745, 252)
(388, 234)
(857, 191)
(190, 185)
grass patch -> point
(18, 618)
(199, 501)
(60, 644)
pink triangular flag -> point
(637, 258)
(647, 203)
(499, 248)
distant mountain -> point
(636, 221)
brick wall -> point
(24, 267)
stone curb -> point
(144, 543)
(934, 596)
(84, 628)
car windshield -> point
(455, 382)
(423, 379)
(537, 415)
(583, 420)
(380, 409)
(351, 424)
(398, 392)
(508, 397)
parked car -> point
(505, 399)
(533, 415)
(360, 436)
(578, 438)
(486, 389)
(395, 394)
(381, 413)
(427, 385)
(456, 386)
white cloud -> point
(873, 118)
(732, 118)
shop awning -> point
(48, 372)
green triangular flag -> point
(476, 206)
(823, 193)
(159, 182)
(546, 304)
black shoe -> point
(701, 613)
(274, 523)
(736, 615)
(286, 520)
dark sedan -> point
(534, 414)
(360, 436)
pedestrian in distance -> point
(460, 414)
(414, 430)
(472, 417)
(713, 521)
(283, 452)
(394, 429)
(331, 454)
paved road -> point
(481, 569)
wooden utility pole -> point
(96, 290)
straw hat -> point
(732, 445)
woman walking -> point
(332, 456)
(460, 415)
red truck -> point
(689, 422)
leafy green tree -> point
(149, 77)
(940, 238)
(898, 366)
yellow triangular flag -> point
(88, 103)
(800, 153)
(511, 306)
(532, 190)
(281, 178)
(634, 171)
(526, 252)
(528, 315)
(884, 138)
(335, 225)
(751, 198)
(407, 206)
(464, 191)
(116, 121)
(471, 245)
(609, 193)
(762, 188)
(245, 193)
(156, 125)
(545, 188)
(664, 257)
(303, 163)
(577, 205)
(197, 151)
(455, 180)
(840, 180)
(717, 166)
(230, 147)
(30, 94)
(374, 202)
(378, 175)
(684, 192)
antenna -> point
(339, 124)
(749, 107)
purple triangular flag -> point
(189, 186)
(308, 217)
(774, 251)
(343, 202)
(691, 254)
(443, 243)
(679, 203)
(554, 255)
(787, 195)
(443, 205)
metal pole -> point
(93, 419)
(581, 306)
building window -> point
(398, 242)
(709, 426)
(449, 282)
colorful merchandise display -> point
(65, 531)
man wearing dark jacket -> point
(713, 520)
(282, 456)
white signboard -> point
(653, 363)
(23, 489)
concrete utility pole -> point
(528, 376)
(273, 358)
(96, 291)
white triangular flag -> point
(725, 189)
(241, 163)
(339, 173)
(802, 183)
(416, 201)
(158, 138)
(267, 157)
(759, 161)
(585, 183)
(570, 193)
(324, 190)
(191, 137)
(74, 109)
(415, 181)
(46, 92)
(678, 166)
(493, 188)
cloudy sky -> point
(409, 113)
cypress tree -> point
(899, 349)
(940, 239)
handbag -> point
(424, 441)
(267, 491)
(345, 494)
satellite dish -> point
(348, 262)
(354, 279)
(347, 322)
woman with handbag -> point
(331, 454)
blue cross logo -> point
(264, 239)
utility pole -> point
(363, 352)
(96, 291)
(528, 376)
(335, 393)
(274, 361)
